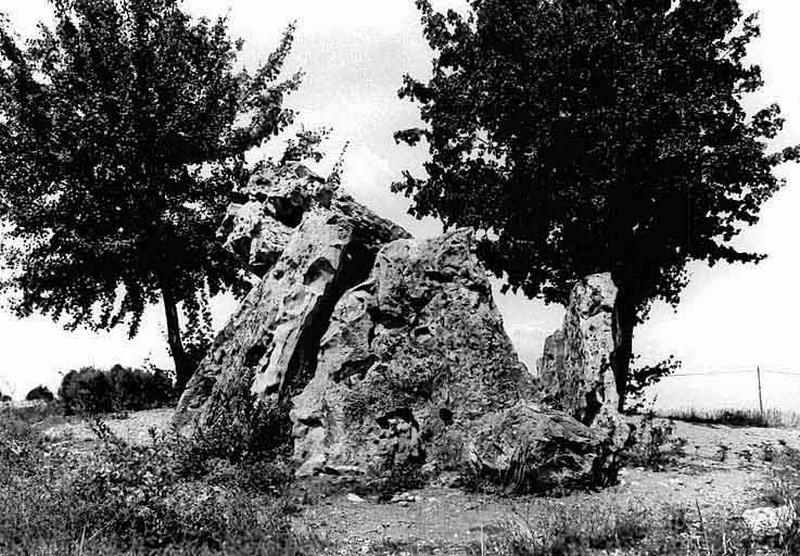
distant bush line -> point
(93, 391)
(734, 417)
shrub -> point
(135, 389)
(86, 391)
(41, 393)
(91, 391)
(137, 499)
(656, 444)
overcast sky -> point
(354, 53)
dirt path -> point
(723, 471)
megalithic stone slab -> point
(273, 337)
(417, 368)
(577, 371)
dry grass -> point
(771, 418)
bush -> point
(158, 498)
(41, 393)
(91, 391)
(656, 445)
(86, 391)
(135, 389)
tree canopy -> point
(123, 129)
(584, 136)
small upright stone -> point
(577, 372)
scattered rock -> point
(404, 497)
(355, 498)
(770, 522)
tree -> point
(42, 393)
(584, 136)
(122, 132)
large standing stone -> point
(577, 367)
(417, 368)
(577, 371)
(272, 339)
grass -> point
(631, 531)
(175, 495)
(221, 493)
(772, 418)
(626, 528)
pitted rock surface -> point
(266, 212)
(272, 339)
(417, 368)
(576, 369)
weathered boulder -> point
(258, 224)
(272, 339)
(416, 368)
(577, 371)
(770, 522)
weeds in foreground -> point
(172, 496)
(570, 530)
(631, 531)
(656, 445)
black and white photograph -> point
(399, 277)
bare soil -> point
(723, 471)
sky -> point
(354, 53)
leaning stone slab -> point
(273, 338)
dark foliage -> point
(594, 136)
(42, 393)
(123, 129)
(92, 391)
(644, 376)
(87, 390)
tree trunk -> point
(625, 323)
(183, 370)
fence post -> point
(760, 399)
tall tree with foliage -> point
(123, 129)
(585, 136)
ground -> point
(720, 472)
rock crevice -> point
(381, 351)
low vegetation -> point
(735, 417)
(40, 393)
(174, 495)
(93, 391)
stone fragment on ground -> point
(770, 522)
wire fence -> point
(752, 371)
